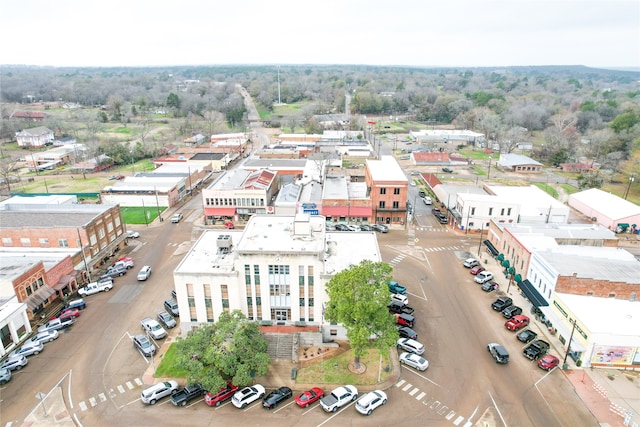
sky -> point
(462, 33)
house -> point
(195, 139)
(518, 163)
(34, 137)
(605, 208)
(29, 116)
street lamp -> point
(564, 363)
(489, 171)
(631, 179)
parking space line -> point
(92, 401)
(129, 385)
(339, 412)
(311, 409)
(442, 410)
(407, 387)
(399, 383)
(282, 407)
(414, 391)
(420, 396)
(250, 407)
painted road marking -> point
(414, 391)
(102, 397)
(138, 381)
(442, 410)
(407, 387)
(435, 404)
(120, 389)
(129, 385)
(83, 406)
(399, 383)
(458, 420)
(450, 415)
(421, 395)
(92, 401)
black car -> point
(406, 332)
(342, 227)
(366, 227)
(380, 228)
(526, 336)
(490, 286)
(511, 311)
(501, 303)
(278, 395)
(447, 170)
(536, 349)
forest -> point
(571, 114)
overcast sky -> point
(595, 33)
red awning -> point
(334, 211)
(351, 211)
(219, 211)
(363, 211)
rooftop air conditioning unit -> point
(224, 241)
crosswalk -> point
(102, 397)
(431, 403)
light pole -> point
(564, 363)
(489, 171)
(133, 171)
(631, 179)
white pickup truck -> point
(102, 285)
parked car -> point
(427, 200)
(498, 352)
(339, 397)
(477, 269)
(526, 336)
(167, 320)
(151, 395)
(366, 227)
(351, 227)
(536, 349)
(144, 273)
(397, 288)
(404, 319)
(68, 313)
(56, 324)
(176, 218)
(490, 286)
(132, 234)
(414, 360)
(172, 307)
(517, 322)
(403, 299)
(46, 336)
(381, 228)
(470, 262)
(5, 376)
(115, 271)
(153, 328)
(14, 363)
(329, 227)
(483, 276)
(277, 396)
(229, 225)
(370, 401)
(142, 343)
(247, 395)
(96, 287)
(126, 262)
(511, 311)
(398, 307)
(187, 394)
(342, 227)
(548, 362)
(27, 349)
(501, 303)
(411, 346)
(76, 303)
(406, 332)
(447, 170)
(225, 393)
(308, 397)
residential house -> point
(34, 137)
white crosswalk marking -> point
(414, 391)
(399, 383)
(92, 401)
(458, 420)
(129, 385)
(407, 387)
(420, 396)
(83, 406)
(102, 397)
(450, 415)
(120, 389)
(138, 381)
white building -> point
(14, 323)
(273, 271)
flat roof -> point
(335, 187)
(604, 315)
(561, 231)
(230, 180)
(608, 204)
(14, 261)
(52, 199)
(386, 169)
(48, 215)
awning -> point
(491, 248)
(363, 211)
(219, 211)
(334, 211)
(532, 294)
(39, 296)
(65, 280)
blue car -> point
(396, 288)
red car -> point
(225, 393)
(517, 322)
(70, 313)
(229, 225)
(477, 269)
(548, 362)
(309, 396)
(404, 319)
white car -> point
(411, 346)
(370, 401)
(96, 287)
(14, 363)
(46, 336)
(426, 200)
(247, 395)
(338, 398)
(400, 298)
(153, 328)
(176, 218)
(133, 234)
(470, 262)
(483, 276)
(28, 349)
(151, 395)
(144, 273)
(415, 361)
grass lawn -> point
(570, 189)
(136, 215)
(546, 188)
(166, 369)
(336, 370)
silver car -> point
(28, 349)
(46, 336)
(14, 363)
(167, 320)
(156, 392)
(5, 376)
(415, 361)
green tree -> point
(230, 350)
(358, 299)
(624, 121)
(173, 101)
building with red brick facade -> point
(388, 189)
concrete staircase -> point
(280, 346)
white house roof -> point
(335, 187)
(561, 231)
(604, 315)
(608, 204)
(531, 199)
(386, 169)
(516, 159)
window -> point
(301, 278)
(396, 191)
(208, 302)
(63, 243)
(509, 211)
(383, 191)
(110, 227)
(502, 212)
(247, 274)
(473, 211)
(396, 205)
(6, 241)
(256, 275)
(382, 204)
(25, 241)
(612, 294)
(101, 233)
(28, 290)
(224, 292)
(310, 279)
(311, 302)
(490, 211)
